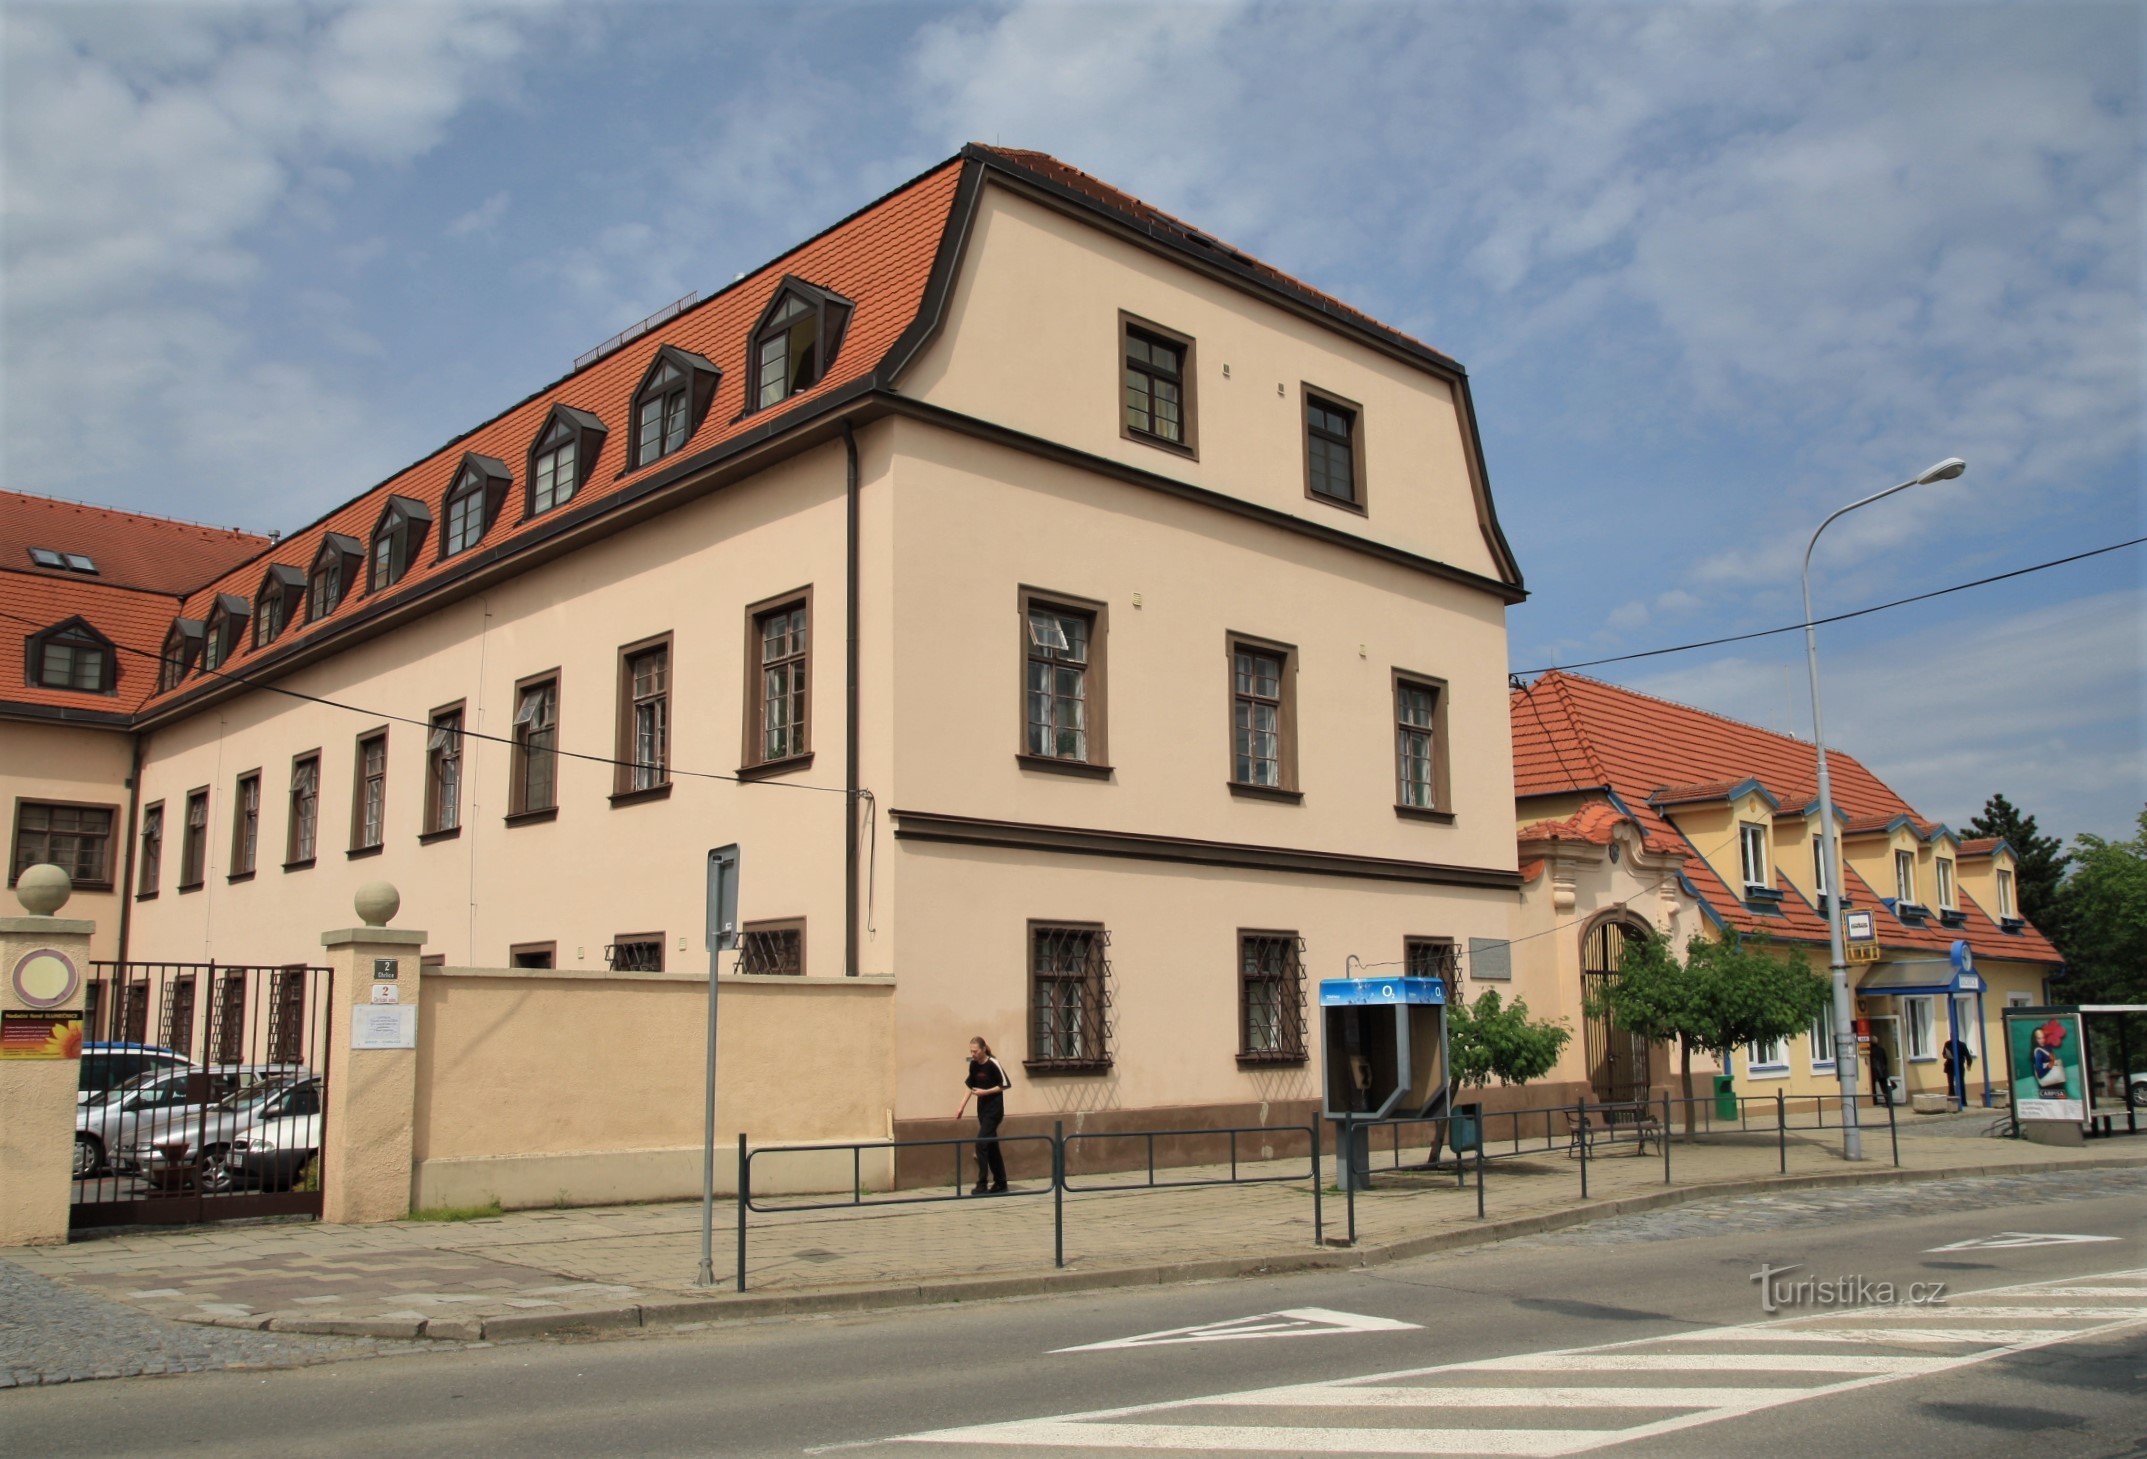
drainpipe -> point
(850, 716)
(126, 877)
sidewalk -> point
(528, 1273)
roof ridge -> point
(65, 501)
(1567, 675)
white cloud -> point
(481, 219)
(146, 150)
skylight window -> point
(46, 557)
(76, 562)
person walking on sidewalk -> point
(987, 1085)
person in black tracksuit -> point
(987, 1084)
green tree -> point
(1723, 994)
(2042, 858)
(2100, 920)
(1492, 1039)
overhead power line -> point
(1835, 617)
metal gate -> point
(204, 1093)
(1617, 1057)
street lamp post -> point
(1845, 1061)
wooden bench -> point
(1607, 1121)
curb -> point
(732, 1307)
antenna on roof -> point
(275, 535)
(626, 336)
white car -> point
(273, 1151)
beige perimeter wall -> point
(587, 1088)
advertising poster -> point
(41, 1033)
(2048, 1083)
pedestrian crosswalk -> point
(1578, 1400)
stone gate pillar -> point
(366, 1171)
(44, 972)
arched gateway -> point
(1617, 1058)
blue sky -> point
(1715, 270)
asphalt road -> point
(2051, 1360)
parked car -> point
(106, 1128)
(273, 1151)
(106, 1066)
(167, 1135)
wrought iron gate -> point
(1617, 1057)
(205, 1093)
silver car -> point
(113, 1124)
(173, 1137)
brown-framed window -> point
(534, 762)
(150, 868)
(774, 948)
(283, 588)
(369, 792)
(180, 647)
(1263, 715)
(1334, 452)
(72, 655)
(644, 734)
(1271, 998)
(1432, 957)
(396, 540)
(443, 771)
(227, 1019)
(533, 955)
(75, 838)
(334, 568)
(778, 692)
(635, 952)
(795, 342)
(224, 630)
(1062, 686)
(287, 1015)
(194, 843)
(245, 823)
(1069, 996)
(177, 1031)
(1421, 760)
(473, 501)
(668, 407)
(1157, 364)
(303, 839)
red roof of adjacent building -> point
(1575, 734)
(130, 549)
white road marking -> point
(2007, 1239)
(1150, 1426)
(1295, 1322)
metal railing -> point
(1058, 1185)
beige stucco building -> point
(1074, 620)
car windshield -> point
(249, 1098)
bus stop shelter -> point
(1950, 978)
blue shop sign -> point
(1366, 992)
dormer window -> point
(180, 647)
(668, 407)
(1905, 878)
(1752, 849)
(560, 458)
(473, 501)
(71, 655)
(396, 537)
(1822, 882)
(796, 341)
(221, 634)
(2005, 896)
(283, 588)
(1945, 884)
(333, 569)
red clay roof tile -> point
(131, 549)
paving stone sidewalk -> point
(535, 1272)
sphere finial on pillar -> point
(43, 889)
(376, 903)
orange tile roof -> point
(1572, 733)
(135, 621)
(131, 549)
(1981, 846)
(879, 259)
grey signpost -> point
(722, 935)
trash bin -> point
(1725, 1097)
(1467, 1130)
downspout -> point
(126, 879)
(849, 707)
